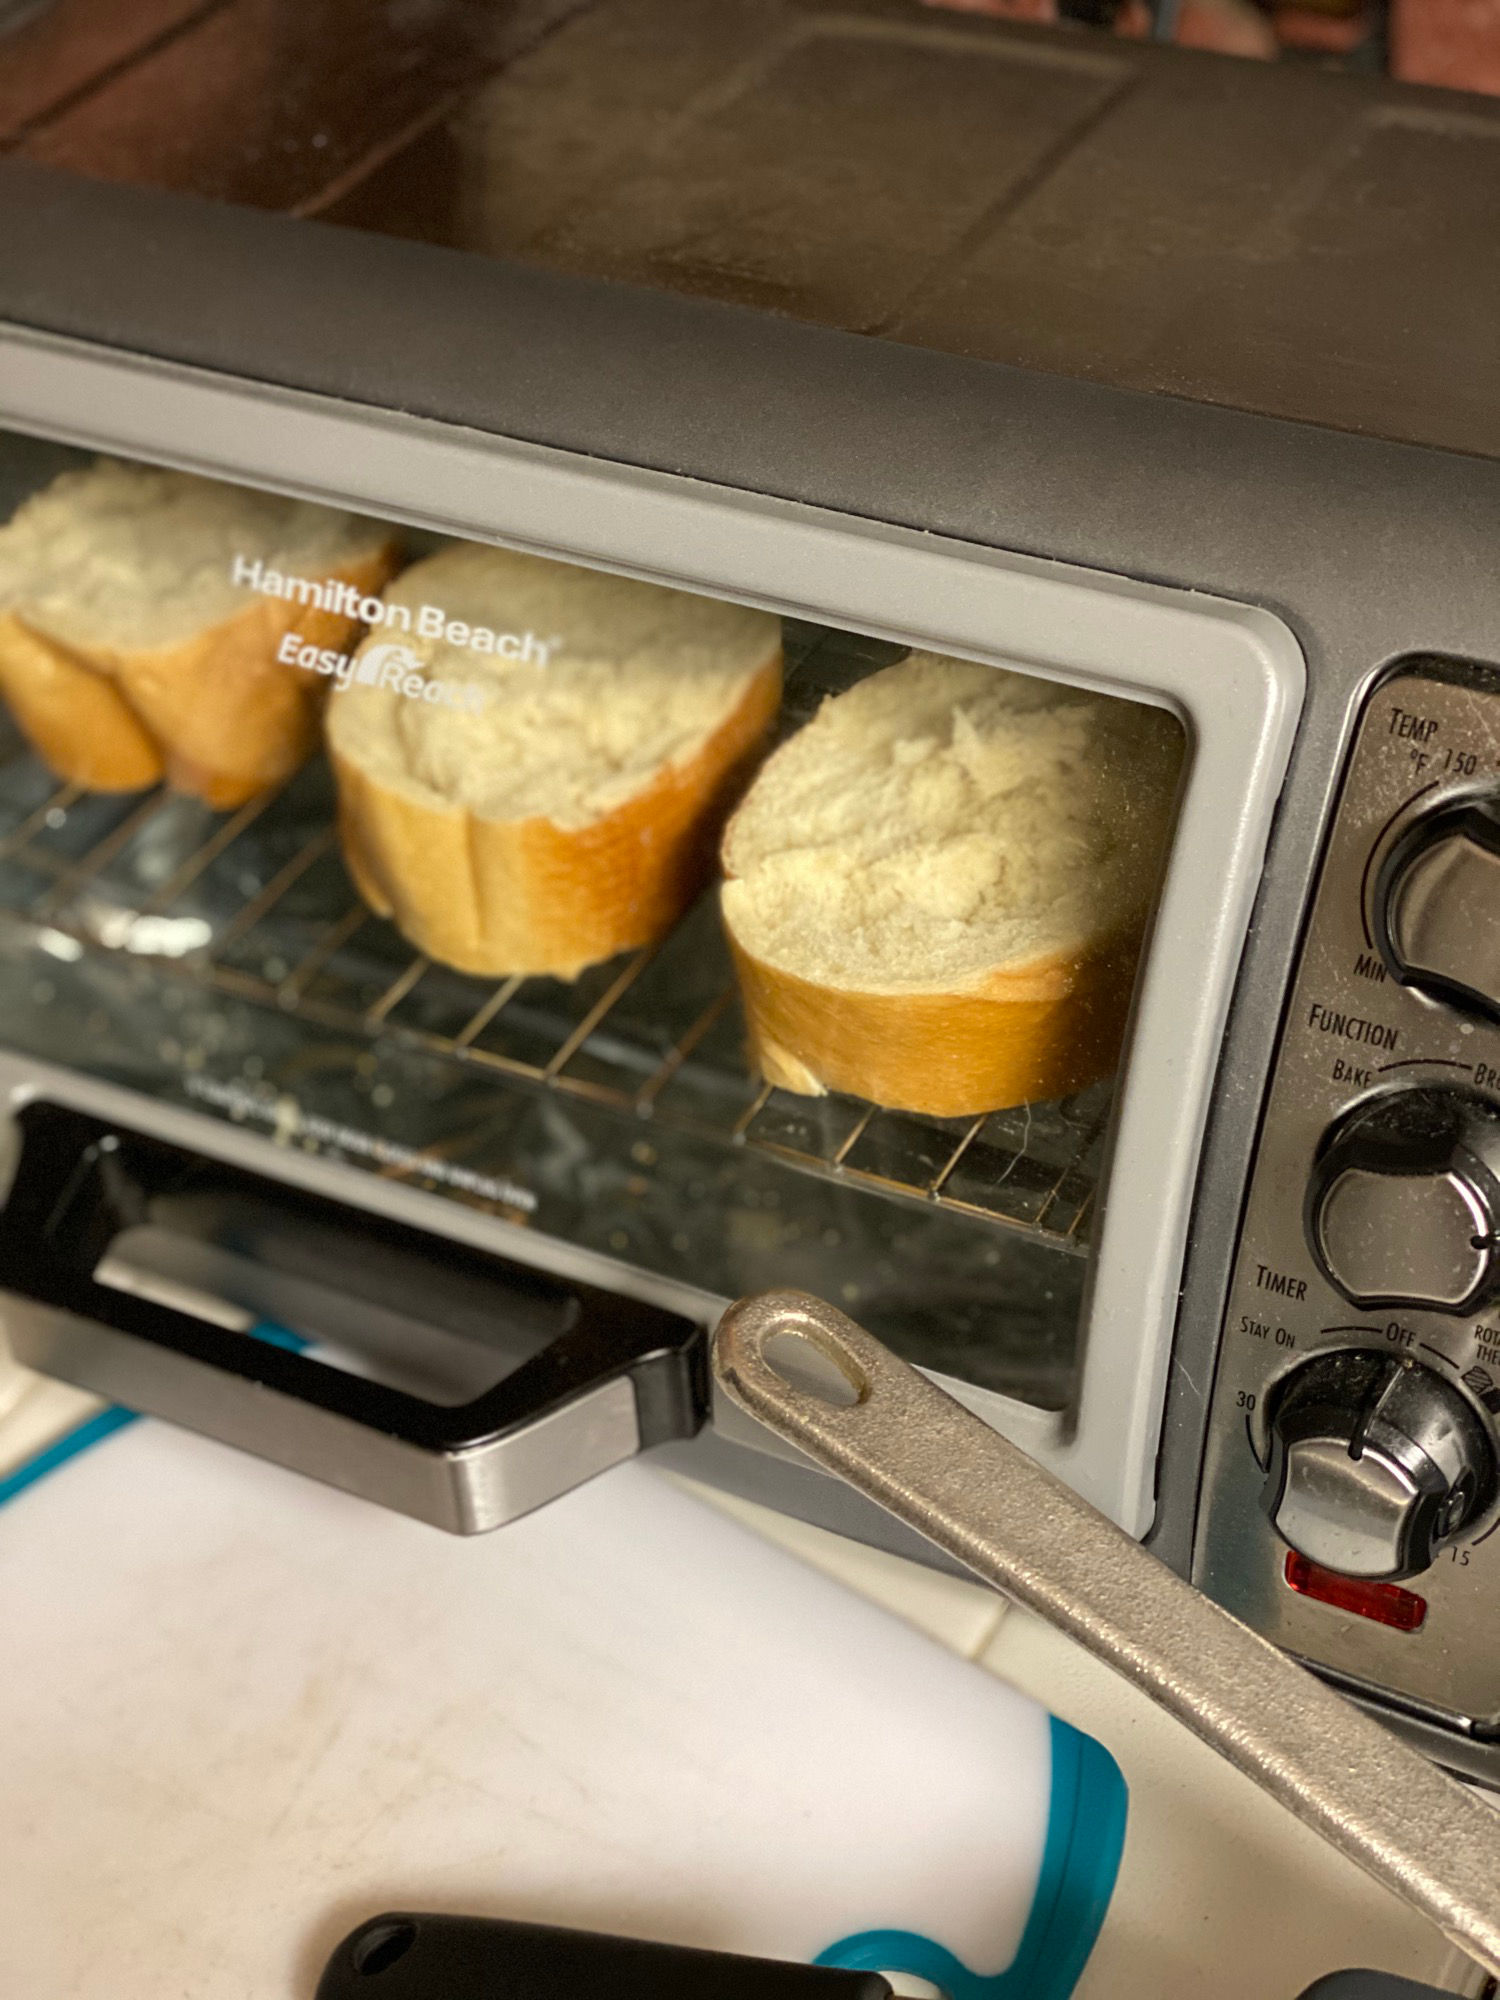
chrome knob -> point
(1375, 1463)
(1437, 913)
(1404, 1205)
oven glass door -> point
(738, 950)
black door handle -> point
(135, 1268)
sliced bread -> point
(130, 653)
(936, 891)
(536, 814)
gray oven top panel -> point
(1244, 233)
(1341, 533)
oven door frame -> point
(1233, 672)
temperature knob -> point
(1375, 1463)
(1405, 1200)
(1438, 905)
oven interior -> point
(224, 960)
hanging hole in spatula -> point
(806, 1365)
(382, 1945)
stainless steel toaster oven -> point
(1221, 454)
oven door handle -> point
(589, 1377)
(901, 1441)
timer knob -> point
(1437, 905)
(1375, 1463)
(1404, 1204)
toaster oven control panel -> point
(1351, 1503)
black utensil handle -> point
(1372, 1986)
(407, 1957)
(588, 1377)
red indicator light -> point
(1386, 1603)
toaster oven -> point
(1242, 1291)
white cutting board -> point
(239, 1712)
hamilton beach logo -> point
(389, 665)
(427, 621)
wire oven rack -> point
(257, 904)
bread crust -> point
(502, 897)
(1027, 1034)
(219, 716)
(78, 723)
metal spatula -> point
(901, 1441)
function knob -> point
(1405, 1200)
(1375, 1464)
(1437, 905)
